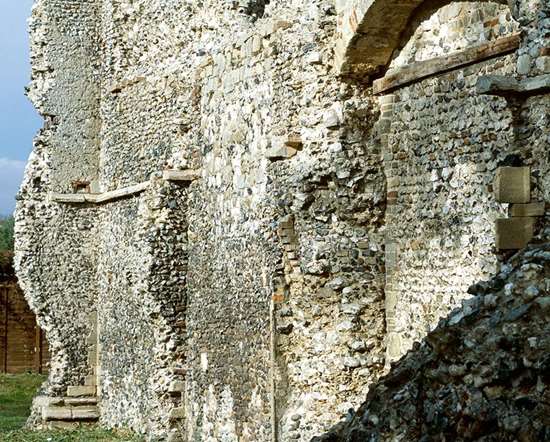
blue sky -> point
(18, 119)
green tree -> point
(6, 233)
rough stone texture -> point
(260, 300)
(371, 31)
(482, 374)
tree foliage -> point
(6, 233)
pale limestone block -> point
(81, 390)
(56, 413)
(177, 413)
(85, 413)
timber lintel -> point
(422, 69)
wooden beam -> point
(74, 198)
(422, 69)
(38, 349)
(116, 87)
(99, 198)
(122, 193)
(503, 85)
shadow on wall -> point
(482, 374)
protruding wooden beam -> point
(122, 193)
(529, 209)
(98, 198)
(512, 185)
(502, 85)
(422, 69)
(74, 198)
(513, 233)
(187, 175)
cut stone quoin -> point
(512, 185)
(81, 390)
(514, 233)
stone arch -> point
(369, 31)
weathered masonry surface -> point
(249, 209)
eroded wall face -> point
(141, 308)
(182, 90)
(126, 333)
(65, 87)
(55, 256)
(314, 217)
(254, 303)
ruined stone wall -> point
(324, 229)
(436, 30)
(55, 258)
(443, 147)
(141, 306)
(227, 111)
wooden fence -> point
(22, 343)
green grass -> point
(16, 393)
(82, 435)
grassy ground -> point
(16, 393)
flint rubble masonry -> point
(258, 234)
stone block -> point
(92, 356)
(79, 401)
(56, 413)
(294, 141)
(92, 338)
(513, 233)
(63, 425)
(85, 413)
(394, 346)
(81, 390)
(47, 401)
(512, 185)
(92, 317)
(543, 64)
(530, 209)
(176, 387)
(180, 175)
(280, 153)
(177, 413)
(314, 58)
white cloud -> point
(11, 175)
